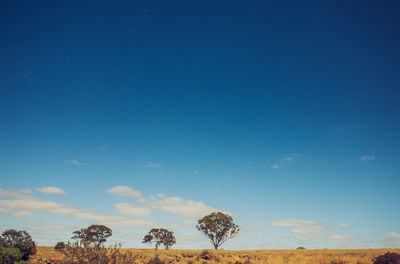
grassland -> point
(338, 256)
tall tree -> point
(160, 236)
(93, 234)
(218, 228)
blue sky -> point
(138, 114)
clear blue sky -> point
(283, 113)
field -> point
(335, 256)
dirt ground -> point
(141, 256)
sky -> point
(142, 114)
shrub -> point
(59, 246)
(9, 255)
(205, 254)
(388, 258)
(79, 252)
(156, 260)
(20, 240)
(300, 248)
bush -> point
(10, 255)
(60, 246)
(300, 248)
(205, 254)
(79, 252)
(156, 260)
(388, 258)
(20, 240)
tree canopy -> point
(93, 234)
(218, 228)
(20, 240)
(160, 236)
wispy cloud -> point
(392, 235)
(344, 225)
(4, 211)
(133, 210)
(153, 165)
(55, 226)
(26, 191)
(366, 158)
(23, 214)
(342, 237)
(275, 166)
(74, 162)
(124, 191)
(51, 190)
(299, 226)
(32, 204)
(287, 158)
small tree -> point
(60, 246)
(218, 228)
(160, 236)
(97, 234)
(20, 240)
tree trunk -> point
(215, 246)
(156, 246)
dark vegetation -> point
(388, 258)
(160, 236)
(16, 246)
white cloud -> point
(124, 191)
(22, 214)
(366, 158)
(129, 209)
(294, 155)
(26, 191)
(4, 211)
(53, 226)
(392, 235)
(288, 158)
(153, 165)
(275, 166)
(50, 190)
(344, 225)
(342, 237)
(74, 162)
(30, 204)
(11, 193)
(299, 226)
(179, 206)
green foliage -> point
(20, 240)
(388, 258)
(9, 255)
(160, 236)
(218, 228)
(93, 234)
(156, 260)
(60, 246)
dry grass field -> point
(359, 256)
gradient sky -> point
(284, 114)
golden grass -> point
(325, 256)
